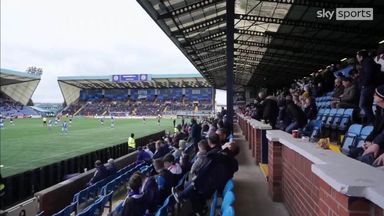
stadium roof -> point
(20, 86)
(70, 86)
(275, 41)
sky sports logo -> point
(346, 14)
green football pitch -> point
(28, 145)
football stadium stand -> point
(118, 95)
(17, 89)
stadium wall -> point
(312, 181)
(23, 186)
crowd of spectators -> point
(213, 165)
(360, 89)
(133, 108)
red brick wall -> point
(304, 193)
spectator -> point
(213, 175)
(111, 167)
(374, 144)
(148, 149)
(180, 135)
(161, 150)
(204, 130)
(296, 115)
(180, 149)
(270, 111)
(222, 133)
(349, 97)
(367, 83)
(201, 156)
(173, 167)
(134, 204)
(214, 142)
(165, 180)
(339, 88)
(185, 162)
(195, 132)
(310, 108)
(101, 173)
(142, 155)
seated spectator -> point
(339, 88)
(222, 133)
(134, 204)
(111, 167)
(349, 97)
(142, 155)
(310, 108)
(148, 149)
(374, 144)
(201, 156)
(164, 179)
(161, 150)
(213, 175)
(173, 167)
(204, 131)
(151, 192)
(181, 147)
(185, 162)
(101, 173)
(296, 115)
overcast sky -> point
(84, 37)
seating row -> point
(226, 208)
(355, 137)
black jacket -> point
(270, 111)
(378, 126)
(367, 75)
(296, 114)
(134, 206)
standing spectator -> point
(367, 83)
(195, 133)
(270, 111)
(181, 146)
(134, 204)
(101, 173)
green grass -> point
(29, 145)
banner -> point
(130, 77)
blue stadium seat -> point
(89, 211)
(163, 211)
(350, 138)
(229, 211)
(316, 130)
(320, 114)
(330, 118)
(228, 200)
(337, 119)
(228, 187)
(363, 135)
(346, 120)
(325, 116)
(212, 211)
(67, 211)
